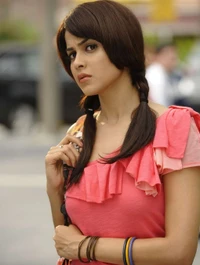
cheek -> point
(105, 69)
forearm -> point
(56, 200)
(154, 251)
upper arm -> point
(182, 208)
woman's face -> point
(90, 65)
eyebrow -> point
(79, 44)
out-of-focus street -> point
(25, 225)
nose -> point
(79, 61)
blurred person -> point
(159, 74)
(150, 55)
(127, 173)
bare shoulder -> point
(157, 108)
(77, 125)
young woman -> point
(133, 184)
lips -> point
(83, 77)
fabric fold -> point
(177, 140)
(176, 145)
(98, 183)
(141, 167)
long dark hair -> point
(119, 31)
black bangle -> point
(93, 250)
(89, 247)
(79, 250)
(124, 251)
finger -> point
(59, 252)
(66, 159)
(58, 227)
(56, 147)
(72, 154)
(52, 158)
(53, 147)
(75, 149)
(65, 148)
(69, 151)
(70, 138)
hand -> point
(67, 239)
(63, 152)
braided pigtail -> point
(141, 130)
(147, 117)
(90, 105)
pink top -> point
(126, 198)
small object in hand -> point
(61, 146)
(76, 146)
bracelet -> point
(89, 247)
(130, 250)
(79, 250)
(124, 251)
(127, 247)
(93, 250)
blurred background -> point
(38, 102)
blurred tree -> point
(17, 31)
(184, 45)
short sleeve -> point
(180, 145)
(192, 151)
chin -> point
(90, 92)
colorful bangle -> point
(124, 251)
(127, 247)
(130, 250)
(79, 250)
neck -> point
(118, 102)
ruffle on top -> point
(177, 140)
(176, 145)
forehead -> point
(72, 40)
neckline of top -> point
(98, 161)
(117, 149)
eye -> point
(71, 56)
(91, 47)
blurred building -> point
(176, 17)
